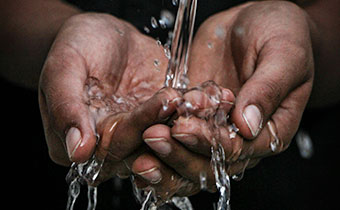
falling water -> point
(83, 173)
(176, 77)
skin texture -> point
(265, 57)
(259, 54)
(91, 67)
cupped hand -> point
(262, 52)
(101, 81)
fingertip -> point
(248, 119)
(227, 96)
(80, 144)
(157, 109)
(158, 130)
(148, 168)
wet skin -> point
(253, 59)
(266, 65)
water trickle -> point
(167, 51)
(176, 77)
(154, 23)
(239, 176)
(91, 197)
(275, 143)
(221, 177)
(73, 193)
(203, 180)
(181, 43)
(83, 173)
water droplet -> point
(165, 106)
(166, 19)
(232, 135)
(154, 23)
(175, 2)
(239, 176)
(305, 144)
(232, 131)
(162, 24)
(156, 62)
(210, 46)
(167, 51)
(203, 180)
(146, 29)
(275, 143)
(158, 42)
(120, 32)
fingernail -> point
(159, 145)
(186, 138)
(153, 175)
(73, 140)
(253, 118)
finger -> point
(278, 132)
(122, 169)
(203, 101)
(66, 113)
(186, 163)
(280, 69)
(196, 134)
(121, 134)
(164, 180)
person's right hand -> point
(101, 77)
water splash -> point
(83, 173)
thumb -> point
(64, 113)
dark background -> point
(286, 181)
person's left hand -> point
(263, 53)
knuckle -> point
(271, 92)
